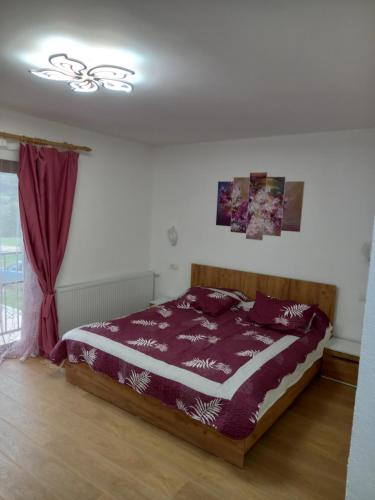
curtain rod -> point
(43, 142)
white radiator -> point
(103, 300)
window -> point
(11, 255)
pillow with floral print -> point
(211, 301)
(284, 315)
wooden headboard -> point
(307, 292)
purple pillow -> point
(284, 315)
(211, 301)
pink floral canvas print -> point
(240, 202)
(273, 206)
(293, 198)
(257, 198)
(224, 204)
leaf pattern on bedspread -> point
(205, 412)
(212, 339)
(263, 338)
(210, 325)
(138, 381)
(208, 364)
(200, 363)
(163, 325)
(184, 305)
(196, 338)
(240, 321)
(89, 356)
(295, 310)
(182, 406)
(250, 353)
(144, 322)
(255, 415)
(148, 343)
(243, 305)
(107, 325)
(257, 336)
(250, 333)
(223, 367)
(163, 311)
(99, 324)
(280, 320)
(206, 323)
(191, 338)
(217, 295)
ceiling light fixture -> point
(82, 79)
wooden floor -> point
(58, 442)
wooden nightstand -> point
(341, 360)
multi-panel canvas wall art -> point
(224, 204)
(273, 206)
(257, 197)
(259, 205)
(240, 204)
(293, 197)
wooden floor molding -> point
(59, 442)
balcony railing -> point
(11, 295)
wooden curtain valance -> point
(44, 142)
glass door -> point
(11, 256)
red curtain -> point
(47, 180)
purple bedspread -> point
(216, 370)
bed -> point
(221, 405)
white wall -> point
(361, 469)
(114, 216)
(110, 229)
(338, 169)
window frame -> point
(8, 166)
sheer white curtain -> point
(20, 301)
(27, 345)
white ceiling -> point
(207, 69)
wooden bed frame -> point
(176, 422)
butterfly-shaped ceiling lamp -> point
(82, 79)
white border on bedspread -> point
(275, 394)
(224, 390)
